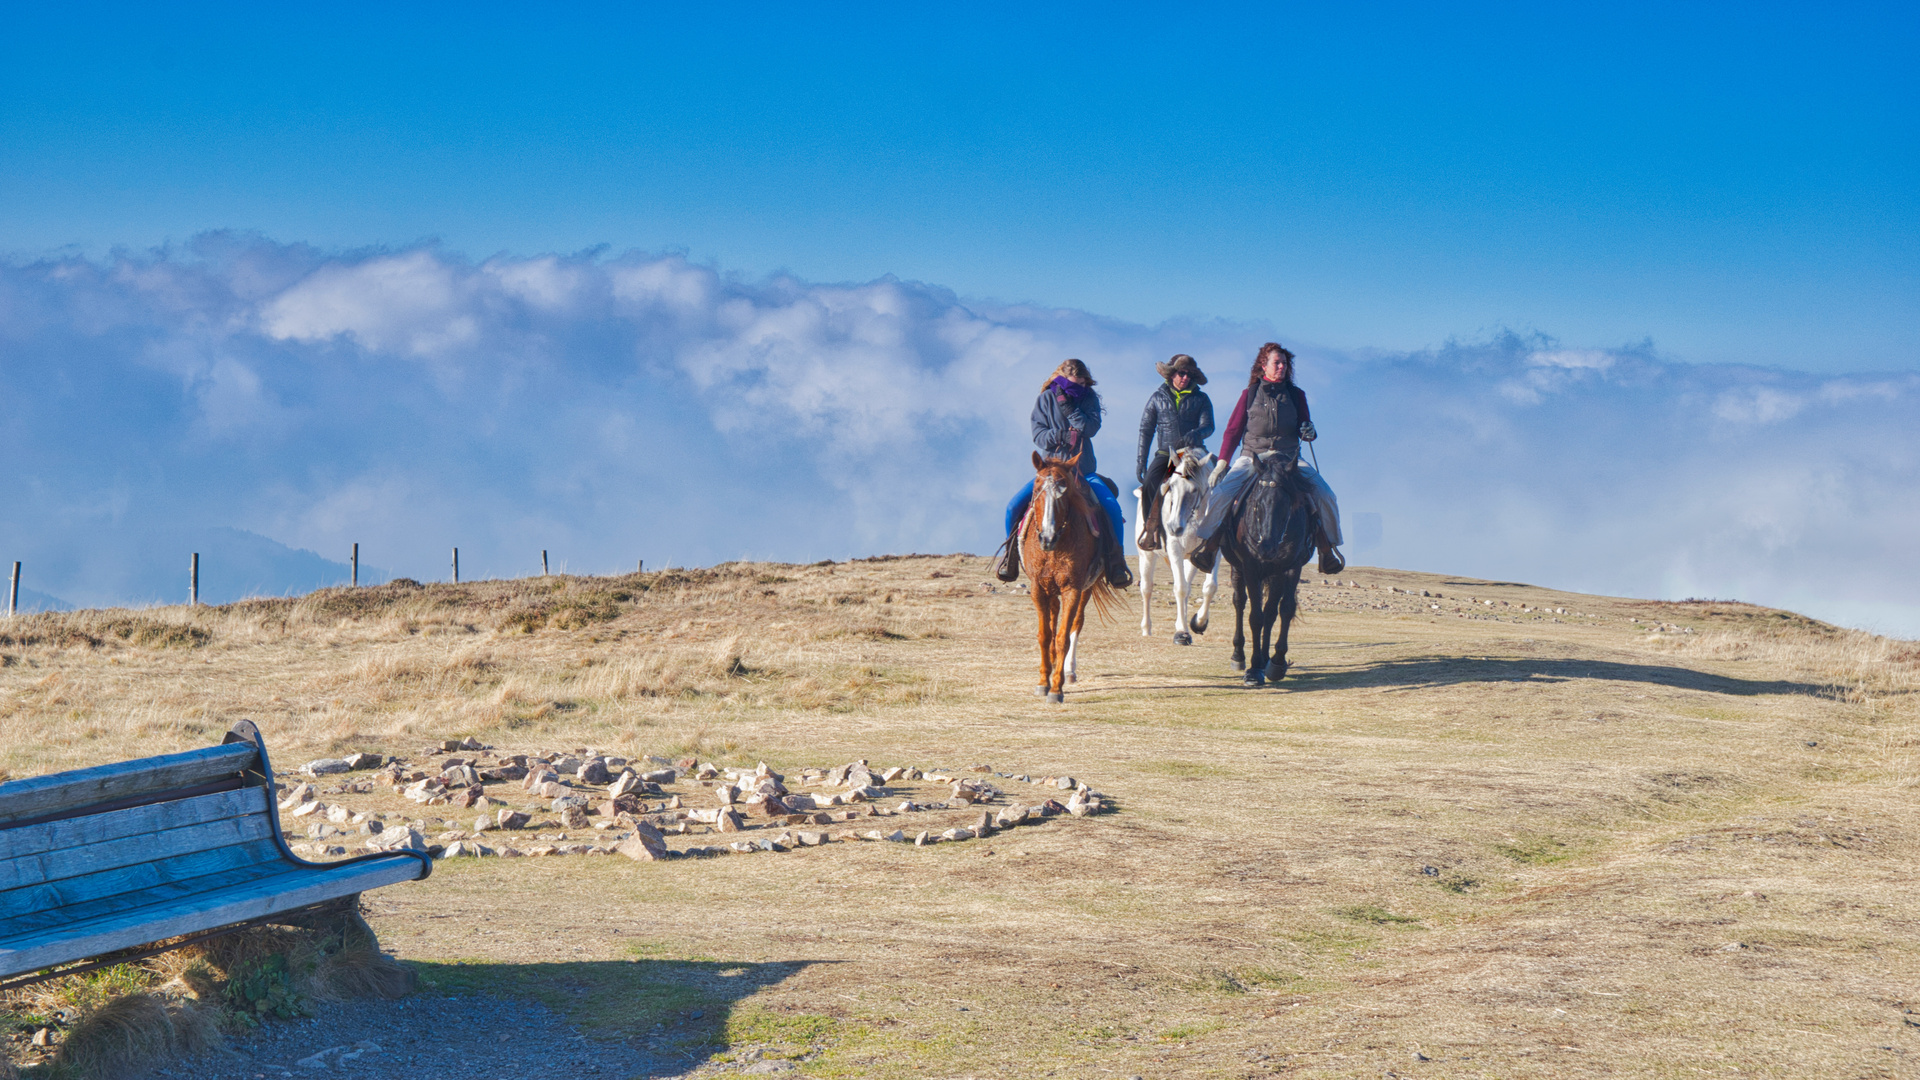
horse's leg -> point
(1182, 573)
(1239, 622)
(1076, 620)
(1146, 592)
(1289, 605)
(1062, 635)
(1269, 615)
(1199, 623)
(1257, 588)
(1043, 606)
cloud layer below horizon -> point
(643, 407)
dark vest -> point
(1273, 423)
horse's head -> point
(1274, 516)
(1053, 484)
(1186, 483)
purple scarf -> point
(1068, 389)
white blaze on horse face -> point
(1050, 488)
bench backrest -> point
(87, 843)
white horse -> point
(1181, 510)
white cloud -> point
(609, 409)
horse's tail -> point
(1105, 600)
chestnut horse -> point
(1060, 550)
(1269, 538)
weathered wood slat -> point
(31, 923)
(184, 916)
(58, 894)
(90, 859)
(132, 821)
(55, 792)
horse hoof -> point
(1040, 691)
(1276, 672)
(1057, 699)
(1073, 678)
(1239, 664)
(1255, 679)
(1199, 626)
(1183, 638)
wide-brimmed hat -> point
(1180, 363)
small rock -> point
(645, 845)
(575, 817)
(729, 820)
(807, 838)
(300, 795)
(325, 767)
(594, 772)
(482, 823)
(1065, 783)
(471, 743)
(363, 761)
(511, 819)
(309, 809)
(396, 837)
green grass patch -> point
(1189, 770)
(1537, 850)
(1185, 1032)
(1374, 915)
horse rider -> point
(1066, 417)
(1270, 415)
(1180, 415)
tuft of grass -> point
(132, 1031)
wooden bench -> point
(103, 864)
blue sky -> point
(1624, 299)
(1736, 183)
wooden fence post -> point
(543, 562)
(456, 566)
(193, 581)
(13, 592)
(356, 565)
(640, 567)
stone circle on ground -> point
(588, 802)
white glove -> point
(1219, 471)
(1307, 434)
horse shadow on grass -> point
(1427, 672)
(674, 1013)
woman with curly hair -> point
(1065, 419)
(1270, 415)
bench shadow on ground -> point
(678, 1011)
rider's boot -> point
(1119, 575)
(1152, 536)
(1007, 568)
(1204, 556)
(1330, 560)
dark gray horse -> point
(1268, 539)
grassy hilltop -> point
(1492, 831)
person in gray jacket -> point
(1066, 417)
(1179, 415)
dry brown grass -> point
(1512, 841)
